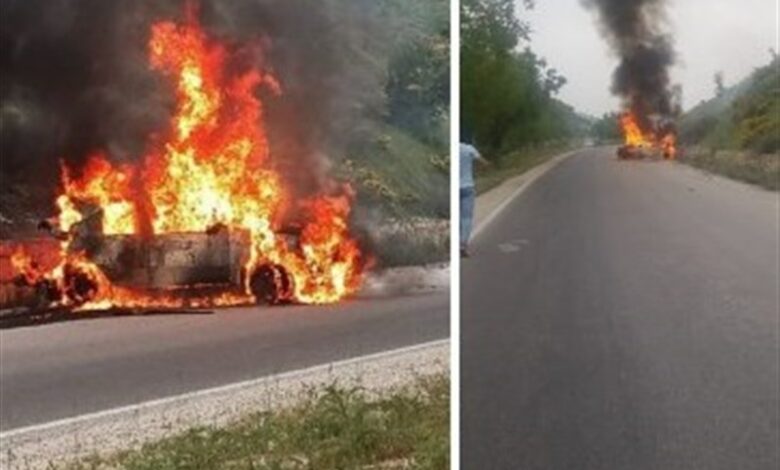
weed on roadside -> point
(336, 428)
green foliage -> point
(490, 27)
(517, 162)
(506, 94)
(418, 82)
(391, 138)
(393, 112)
(737, 133)
(403, 176)
(757, 112)
(743, 117)
(762, 170)
(606, 128)
(336, 428)
(720, 88)
(393, 152)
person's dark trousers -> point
(467, 196)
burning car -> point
(634, 152)
(641, 144)
(203, 218)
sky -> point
(732, 36)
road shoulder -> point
(132, 426)
(492, 202)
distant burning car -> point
(641, 145)
(633, 152)
(642, 152)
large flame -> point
(211, 169)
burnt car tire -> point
(79, 286)
(271, 284)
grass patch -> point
(761, 170)
(743, 117)
(410, 248)
(515, 163)
(393, 170)
(333, 429)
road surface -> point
(623, 315)
(68, 369)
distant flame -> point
(212, 168)
(669, 146)
(634, 135)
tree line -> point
(507, 91)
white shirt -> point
(467, 156)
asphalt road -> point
(623, 315)
(63, 370)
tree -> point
(606, 128)
(418, 84)
(506, 92)
(719, 87)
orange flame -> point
(212, 168)
(633, 135)
(669, 146)
(106, 187)
(23, 265)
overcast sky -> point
(733, 36)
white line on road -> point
(222, 389)
(530, 176)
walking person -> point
(468, 155)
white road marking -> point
(532, 175)
(198, 394)
(513, 246)
(508, 247)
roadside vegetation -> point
(509, 110)
(396, 150)
(334, 429)
(518, 162)
(396, 154)
(737, 132)
(606, 130)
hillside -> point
(738, 132)
(745, 116)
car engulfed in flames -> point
(641, 144)
(203, 218)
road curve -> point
(63, 370)
(623, 315)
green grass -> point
(409, 248)
(744, 117)
(334, 429)
(513, 164)
(394, 170)
(735, 134)
(762, 170)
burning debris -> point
(202, 219)
(634, 31)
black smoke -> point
(635, 32)
(73, 82)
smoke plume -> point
(635, 32)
